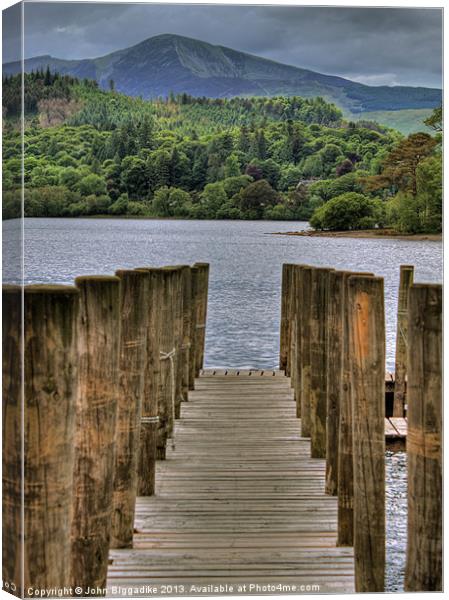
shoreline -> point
(366, 234)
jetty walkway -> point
(147, 475)
(239, 502)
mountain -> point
(172, 63)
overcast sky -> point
(377, 46)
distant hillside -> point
(169, 63)
(406, 121)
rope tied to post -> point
(149, 419)
(200, 325)
(170, 356)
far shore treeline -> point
(94, 152)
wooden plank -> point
(400, 424)
(239, 499)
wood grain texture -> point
(305, 357)
(367, 357)
(201, 298)
(134, 318)
(239, 499)
(400, 371)
(12, 418)
(96, 412)
(152, 372)
(318, 361)
(334, 377)
(424, 440)
(49, 398)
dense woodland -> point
(94, 152)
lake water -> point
(244, 293)
(245, 269)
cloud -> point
(385, 45)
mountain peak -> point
(175, 63)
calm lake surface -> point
(244, 294)
(245, 275)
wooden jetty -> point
(239, 501)
(148, 475)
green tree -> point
(92, 185)
(349, 211)
(256, 197)
(213, 198)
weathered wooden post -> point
(367, 354)
(167, 356)
(202, 286)
(178, 324)
(334, 377)
(134, 315)
(405, 281)
(98, 356)
(149, 422)
(297, 334)
(41, 486)
(283, 341)
(194, 283)
(345, 472)
(318, 360)
(424, 451)
(295, 324)
(186, 331)
(305, 365)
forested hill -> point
(92, 152)
(172, 63)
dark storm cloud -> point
(375, 46)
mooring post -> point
(194, 284)
(178, 324)
(334, 377)
(283, 348)
(98, 360)
(167, 357)
(367, 355)
(405, 281)
(424, 565)
(345, 471)
(296, 370)
(134, 315)
(292, 354)
(305, 360)
(149, 422)
(202, 286)
(318, 359)
(186, 331)
(48, 354)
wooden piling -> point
(178, 324)
(305, 364)
(295, 322)
(367, 355)
(334, 377)
(98, 360)
(405, 281)
(202, 285)
(194, 279)
(283, 341)
(318, 359)
(49, 354)
(149, 422)
(424, 451)
(345, 471)
(134, 315)
(296, 370)
(12, 455)
(184, 355)
(167, 358)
